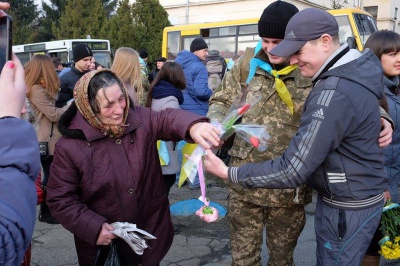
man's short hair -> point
(161, 59)
(307, 25)
(143, 54)
(57, 62)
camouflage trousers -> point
(247, 221)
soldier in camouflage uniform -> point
(281, 211)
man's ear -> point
(326, 41)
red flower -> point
(244, 109)
(254, 141)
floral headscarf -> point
(82, 102)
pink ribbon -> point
(202, 183)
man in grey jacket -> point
(336, 148)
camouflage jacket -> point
(270, 111)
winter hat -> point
(81, 51)
(307, 25)
(198, 44)
(274, 19)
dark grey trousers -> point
(343, 236)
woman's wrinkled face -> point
(112, 103)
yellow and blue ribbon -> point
(280, 87)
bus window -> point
(187, 41)
(63, 56)
(102, 58)
(215, 32)
(246, 41)
(225, 45)
(24, 57)
(248, 29)
(345, 31)
(365, 25)
(173, 44)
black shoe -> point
(48, 218)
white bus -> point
(101, 50)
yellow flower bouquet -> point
(390, 228)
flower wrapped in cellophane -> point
(390, 228)
(256, 135)
(191, 165)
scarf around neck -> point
(391, 83)
(164, 89)
(280, 86)
(82, 102)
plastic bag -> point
(112, 258)
(256, 135)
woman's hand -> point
(105, 235)
(12, 87)
(385, 137)
(205, 134)
(214, 165)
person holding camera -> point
(19, 165)
(43, 83)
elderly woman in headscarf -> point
(106, 168)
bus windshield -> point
(365, 25)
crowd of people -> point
(98, 129)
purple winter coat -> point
(95, 179)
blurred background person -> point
(159, 63)
(166, 92)
(43, 84)
(58, 64)
(386, 46)
(126, 66)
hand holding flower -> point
(205, 134)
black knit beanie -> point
(198, 44)
(81, 51)
(274, 19)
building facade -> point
(182, 12)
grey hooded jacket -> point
(336, 147)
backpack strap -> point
(245, 69)
(223, 62)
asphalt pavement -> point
(196, 242)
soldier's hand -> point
(215, 165)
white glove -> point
(126, 231)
